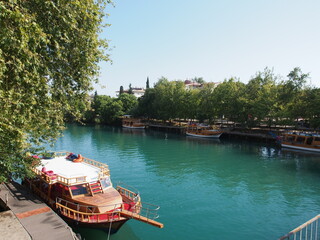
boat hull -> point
(134, 127)
(297, 147)
(112, 227)
(204, 136)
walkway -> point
(38, 220)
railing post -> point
(316, 235)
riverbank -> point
(27, 217)
(260, 134)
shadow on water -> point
(125, 232)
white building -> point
(137, 92)
(189, 85)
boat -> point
(133, 123)
(301, 141)
(203, 131)
(80, 190)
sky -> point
(215, 40)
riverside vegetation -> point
(49, 55)
(266, 99)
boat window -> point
(309, 140)
(290, 138)
(300, 139)
(105, 182)
(317, 139)
(79, 189)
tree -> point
(207, 107)
(291, 93)
(121, 90)
(128, 101)
(146, 105)
(130, 89)
(229, 101)
(147, 83)
(109, 110)
(297, 79)
(260, 96)
(198, 80)
(49, 55)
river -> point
(207, 189)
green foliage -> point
(128, 101)
(146, 104)
(130, 89)
(260, 94)
(261, 100)
(198, 80)
(49, 54)
(121, 90)
(109, 110)
(147, 83)
(229, 100)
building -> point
(189, 85)
(137, 92)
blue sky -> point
(183, 39)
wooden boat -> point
(203, 131)
(128, 122)
(301, 141)
(81, 191)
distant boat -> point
(301, 141)
(134, 123)
(81, 191)
(203, 131)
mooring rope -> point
(109, 233)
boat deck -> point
(68, 169)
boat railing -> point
(307, 231)
(104, 167)
(144, 209)
(50, 179)
(133, 194)
(86, 213)
(40, 193)
(304, 133)
(72, 180)
(147, 210)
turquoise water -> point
(207, 189)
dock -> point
(167, 128)
(252, 134)
(28, 217)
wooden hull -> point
(301, 147)
(203, 135)
(134, 127)
(112, 227)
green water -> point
(207, 189)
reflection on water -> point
(94, 234)
(204, 186)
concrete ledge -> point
(11, 228)
(38, 220)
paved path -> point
(11, 228)
(38, 220)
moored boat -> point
(301, 141)
(203, 131)
(81, 191)
(128, 122)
